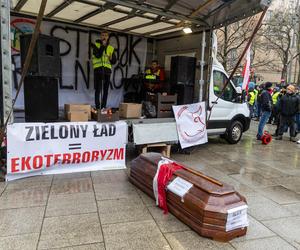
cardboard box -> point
(78, 116)
(130, 110)
(108, 117)
(71, 107)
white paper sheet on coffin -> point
(179, 187)
(237, 218)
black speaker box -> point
(41, 99)
(183, 69)
(46, 55)
(185, 94)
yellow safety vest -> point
(275, 97)
(252, 98)
(150, 75)
(104, 60)
(255, 93)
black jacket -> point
(289, 105)
(266, 101)
(298, 96)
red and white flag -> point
(164, 173)
(246, 70)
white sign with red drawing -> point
(54, 148)
(191, 124)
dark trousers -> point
(289, 121)
(101, 84)
(274, 116)
(258, 110)
(298, 122)
(251, 108)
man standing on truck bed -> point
(266, 109)
(103, 58)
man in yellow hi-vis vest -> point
(103, 58)
(154, 77)
(275, 115)
(251, 101)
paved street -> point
(102, 210)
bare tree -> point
(277, 37)
(233, 38)
(298, 50)
(298, 40)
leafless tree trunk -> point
(298, 41)
(277, 32)
(233, 38)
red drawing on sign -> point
(20, 26)
(187, 114)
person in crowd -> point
(260, 89)
(274, 114)
(103, 57)
(251, 101)
(288, 107)
(255, 103)
(266, 108)
(298, 114)
(281, 94)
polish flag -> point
(164, 173)
(246, 70)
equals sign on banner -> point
(74, 146)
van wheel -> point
(235, 132)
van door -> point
(223, 109)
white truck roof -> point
(149, 18)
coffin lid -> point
(199, 182)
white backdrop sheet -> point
(75, 50)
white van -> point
(229, 116)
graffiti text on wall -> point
(126, 52)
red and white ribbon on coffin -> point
(163, 175)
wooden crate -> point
(162, 148)
(164, 105)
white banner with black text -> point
(56, 148)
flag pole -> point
(258, 25)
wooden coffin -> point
(205, 206)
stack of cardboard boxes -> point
(82, 112)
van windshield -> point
(220, 79)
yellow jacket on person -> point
(104, 60)
(256, 93)
(152, 76)
(275, 97)
(252, 98)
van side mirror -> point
(240, 96)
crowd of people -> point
(278, 105)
